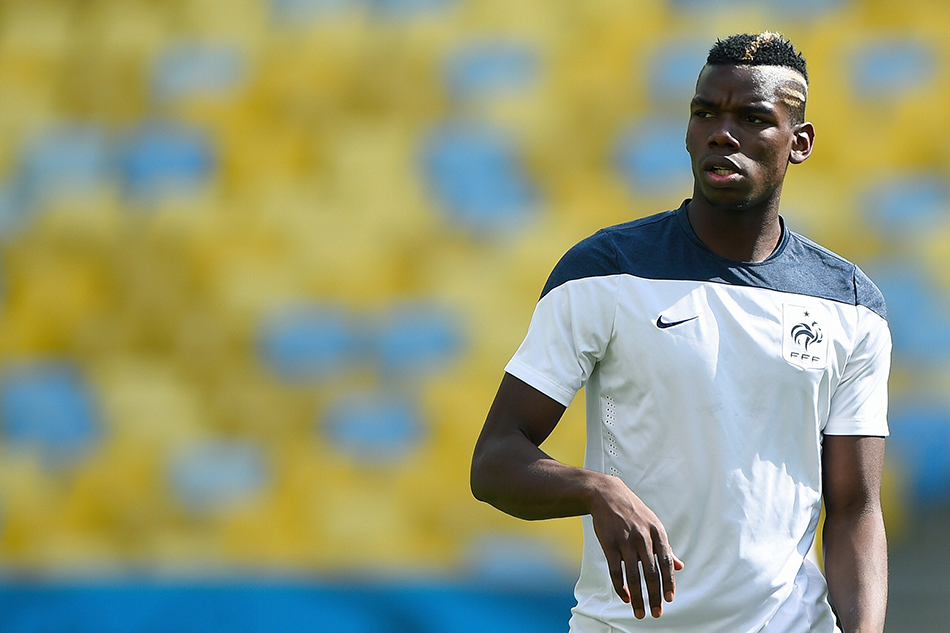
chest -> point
(690, 337)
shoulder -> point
(605, 252)
(843, 278)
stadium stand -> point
(208, 477)
(652, 156)
(263, 261)
(373, 429)
(49, 408)
(474, 170)
(921, 441)
(310, 342)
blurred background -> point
(262, 263)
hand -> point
(630, 533)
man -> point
(736, 377)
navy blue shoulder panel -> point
(663, 246)
(599, 255)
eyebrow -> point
(758, 107)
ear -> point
(803, 140)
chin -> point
(727, 202)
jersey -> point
(710, 385)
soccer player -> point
(736, 377)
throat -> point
(746, 236)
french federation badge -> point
(804, 342)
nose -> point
(722, 136)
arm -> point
(512, 473)
(854, 543)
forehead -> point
(749, 84)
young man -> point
(736, 376)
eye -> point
(755, 119)
(702, 114)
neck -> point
(742, 235)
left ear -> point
(803, 140)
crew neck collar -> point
(688, 229)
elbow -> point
(478, 480)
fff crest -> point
(804, 343)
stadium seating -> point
(417, 339)
(920, 437)
(66, 160)
(49, 408)
(14, 209)
(208, 477)
(476, 175)
(918, 316)
(673, 71)
(652, 157)
(310, 342)
(491, 68)
(908, 206)
(890, 69)
(373, 429)
(195, 69)
(263, 262)
(164, 160)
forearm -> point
(855, 553)
(520, 479)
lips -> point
(721, 171)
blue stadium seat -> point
(14, 209)
(491, 68)
(66, 160)
(510, 563)
(784, 9)
(189, 606)
(441, 608)
(49, 406)
(298, 12)
(417, 339)
(908, 206)
(888, 70)
(673, 71)
(652, 157)
(373, 428)
(920, 441)
(475, 172)
(162, 159)
(309, 342)
(408, 9)
(918, 313)
(197, 69)
(215, 475)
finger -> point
(677, 563)
(633, 586)
(667, 563)
(651, 574)
(616, 575)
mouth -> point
(722, 172)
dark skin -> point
(741, 138)
(740, 126)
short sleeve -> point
(572, 323)
(859, 403)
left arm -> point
(854, 543)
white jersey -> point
(710, 385)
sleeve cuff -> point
(857, 426)
(540, 382)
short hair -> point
(763, 49)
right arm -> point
(512, 473)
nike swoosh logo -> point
(660, 323)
